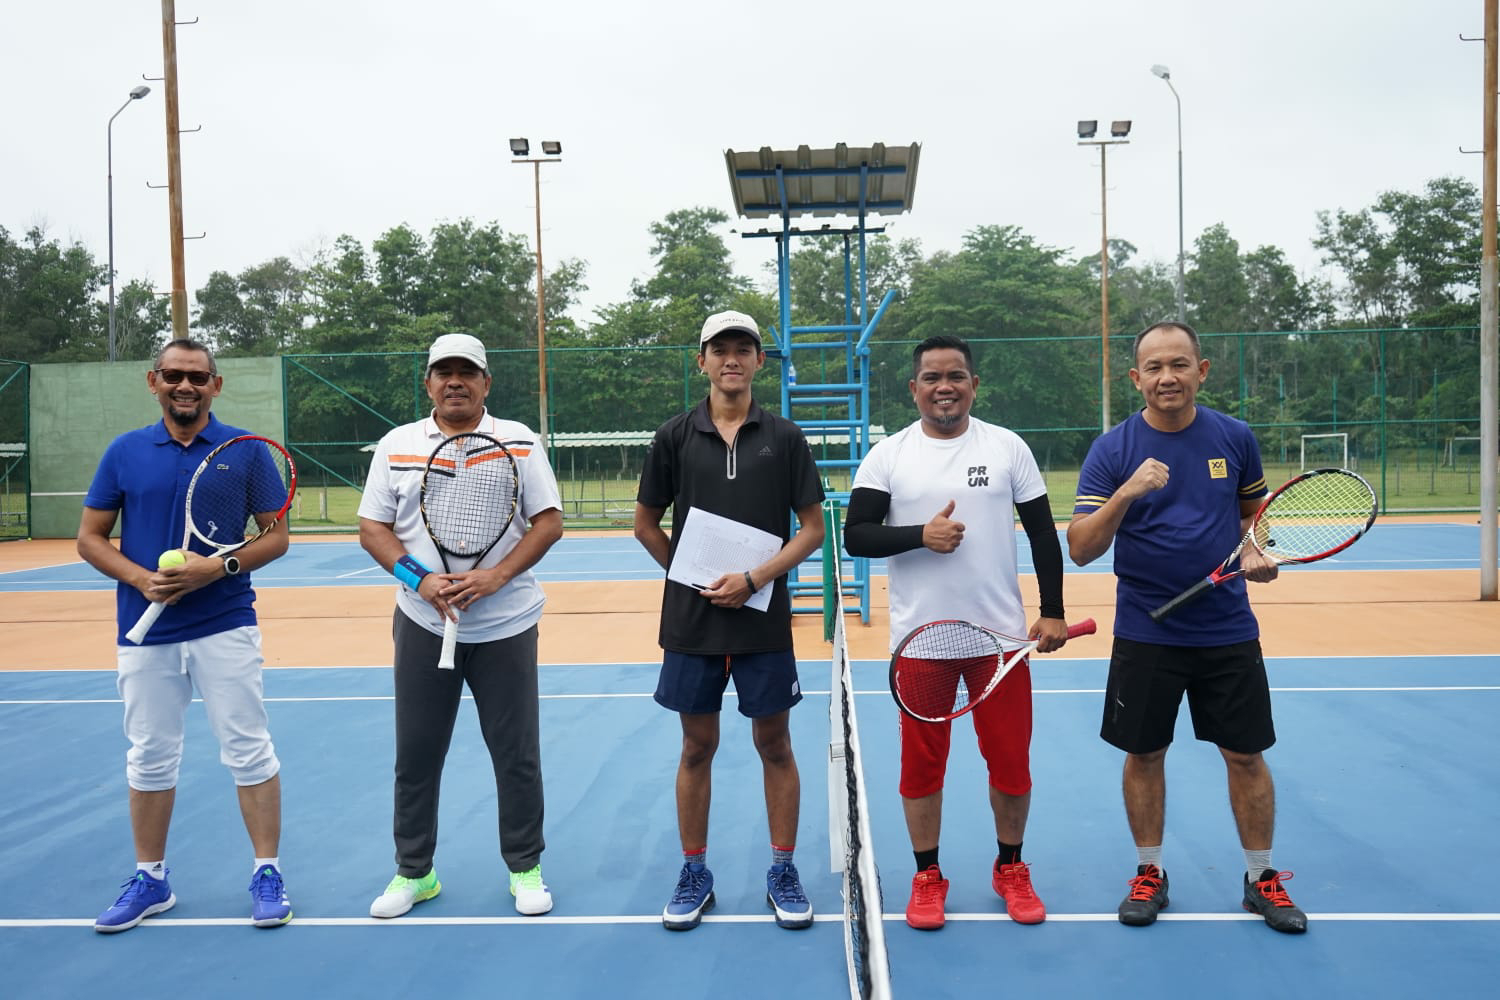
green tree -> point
(824, 267)
(259, 313)
(49, 309)
(693, 268)
(1005, 286)
(1218, 293)
(1409, 258)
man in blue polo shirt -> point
(729, 457)
(1174, 487)
(207, 638)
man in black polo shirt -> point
(729, 457)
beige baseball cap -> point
(727, 322)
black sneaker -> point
(1269, 899)
(1148, 896)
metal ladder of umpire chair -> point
(825, 369)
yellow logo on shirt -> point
(1218, 468)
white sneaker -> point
(532, 896)
(403, 893)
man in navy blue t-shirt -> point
(206, 639)
(1174, 487)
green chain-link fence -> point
(1399, 406)
(15, 450)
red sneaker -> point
(929, 890)
(1013, 883)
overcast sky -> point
(323, 117)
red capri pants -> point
(1003, 724)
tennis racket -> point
(1309, 517)
(237, 494)
(945, 668)
(469, 495)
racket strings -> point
(245, 478)
(468, 494)
(942, 667)
(1314, 515)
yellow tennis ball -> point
(171, 557)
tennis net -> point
(850, 843)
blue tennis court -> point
(1386, 773)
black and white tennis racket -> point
(237, 494)
(943, 669)
(1309, 517)
(469, 495)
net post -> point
(830, 566)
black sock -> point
(1009, 853)
(926, 859)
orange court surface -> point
(1304, 613)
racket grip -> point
(1086, 627)
(450, 643)
(1188, 596)
(147, 619)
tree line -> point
(1409, 260)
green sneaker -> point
(532, 896)
(403, 893)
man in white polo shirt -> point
(497, 604)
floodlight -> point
(519, 147)
(551, 148)
(1119, 129)
(1086, 130)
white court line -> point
(655, 918)
(731, 694)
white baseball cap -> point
(458, 345)
(727, 322)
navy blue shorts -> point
(694, 683)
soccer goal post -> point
(1461, 449)
(1323, 450)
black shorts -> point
(1226, 687)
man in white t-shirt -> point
(497, 605)
(938, 499)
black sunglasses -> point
(172, 376)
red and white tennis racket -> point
(237, 494)
(1309, 517)
(945, 668)
(469, 495)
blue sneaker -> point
(784, 895)
(144, 896)
(271, 908)
(693, 898)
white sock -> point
(1257, 862)
(262, 862)
(1149, 856)
(156, 869)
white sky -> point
(322, 117)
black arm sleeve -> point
(867, 534)
(1046, 553)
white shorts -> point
(157, 684)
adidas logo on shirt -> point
(766, 452)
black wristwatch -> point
(231, 566)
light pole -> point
(1118, 130)
(552, 153)
(1166, 76)
(136, 93)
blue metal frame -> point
(852, 393)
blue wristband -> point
(409, 571)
